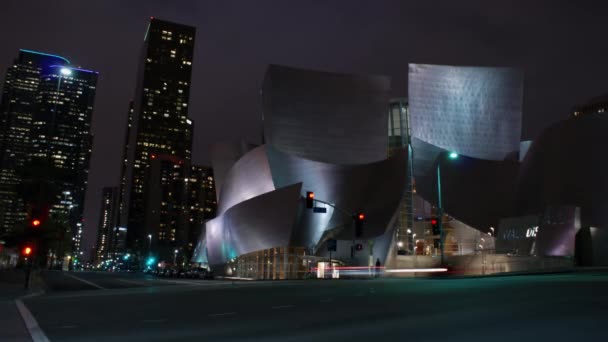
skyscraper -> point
(61, 134)
(159, 124)
(108, 218)
(47, 109)
(16, 110)
(179, 198)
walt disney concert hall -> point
(454, 144)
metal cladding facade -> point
(262, 206)
(328, 117)
(562, 179)
(475, 111)
(566, 165)
(325, 133)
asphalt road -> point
(126, 307)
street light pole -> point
(452, 156)
(149, 244)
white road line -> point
(154, 320)
(33, 294)
(132, 282)
(31, 324)
(222, 314)
(283, 306)
(84, 281)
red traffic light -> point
(27, 250)
(311, 195)
(361, 217)
(36, 222)
(433, 222)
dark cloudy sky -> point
(560, 45)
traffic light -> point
(359, 218)
(27, 251)
(310, 198)
(35, 223)
(435, 226)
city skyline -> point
(499, 40)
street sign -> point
(319, 210)
(332, 245)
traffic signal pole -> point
(356, 218)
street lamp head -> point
(66, 71)
(409, 231)
(453, 155)
(176, 251)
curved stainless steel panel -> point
(259, 223)
(328, 117)
(475, 111)
(249, 177)
(374, 189)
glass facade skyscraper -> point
(158, 122)
(47, 108)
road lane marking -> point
(84, 281)
(222, 314)
(132, 282)
(154, 320)
(33, 294)
(283, 306)
(31, 324)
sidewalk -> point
(12, 327)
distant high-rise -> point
(158, 123)
(179, 198)
(108, 218)
(47, 108)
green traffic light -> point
(453, 155)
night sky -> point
(560, 45)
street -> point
(86, 306)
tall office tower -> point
(61, 134)
(16, 111)
(46, 114)
(159, 124)
(108, 218)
